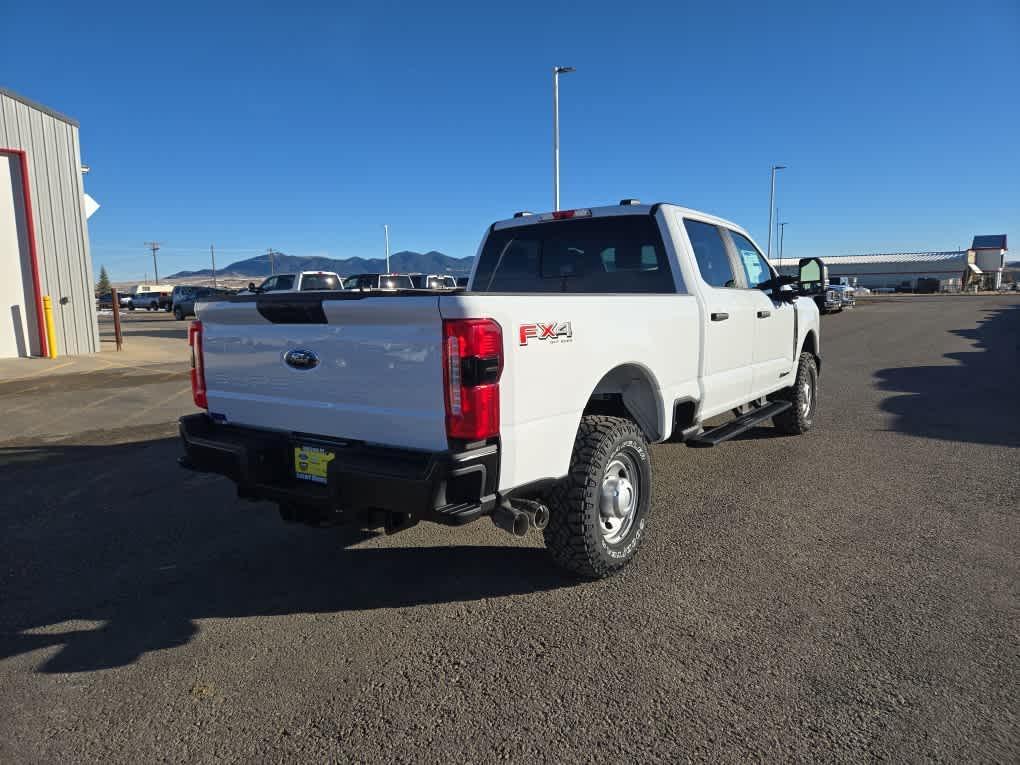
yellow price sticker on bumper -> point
(312, 463)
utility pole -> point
(154, 246)
(386, 231)
(772, 204)
(557, 71)
(272, 259)
(212, 255)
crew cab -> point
(531, 397)
(303, 281)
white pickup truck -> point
(530, 397)
(302, 281)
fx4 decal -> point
(553, 330)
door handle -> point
(764, 314)
(720, 316)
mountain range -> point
(406, 261)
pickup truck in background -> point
(531, 397)
(303, 281)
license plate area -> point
(311, 463)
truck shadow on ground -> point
(974, 400)
(120, 536)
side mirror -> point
(812, 276)
(252, 287)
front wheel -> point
(598, 512)
(178, 314)
(803, 397)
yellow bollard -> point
(51, 331)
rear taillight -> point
(472, 365)
(197, 365)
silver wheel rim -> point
(807, 394)
(620, 495)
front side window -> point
(756, 269)
(269, 284)
(621, 254)
(285, 282)
(710, 253)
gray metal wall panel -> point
(65, 263)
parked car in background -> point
(183, 299)
(303, 281)
(378, 282)
(151, 301)
(433, 282)
(847, 296)
(105, 301)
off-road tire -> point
(799, 418)
(178, 314)
(573, 536)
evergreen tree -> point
(103, 285)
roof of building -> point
(39, 107)
(989, 242)
(895, 257)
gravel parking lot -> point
(848, 594)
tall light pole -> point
(212, 255)
(772, 203)
(557, 71)
(782, 233)
(386, 232)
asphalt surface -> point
(844, 595)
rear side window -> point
(590, 255)
(320, 282)
(284, 282)
(396, 282)
(710, 252)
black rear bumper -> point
(446, 487)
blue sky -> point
(306, 126)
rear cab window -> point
(612, 254)
(320, 282)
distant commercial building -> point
(44, 243)
(980, 266)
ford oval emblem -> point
(299, 358)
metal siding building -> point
(47, 142)
(981, 265)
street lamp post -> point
(557, 71)
(772, 203)
(386, 232)
(782, 233)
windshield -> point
(594, 255)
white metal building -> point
(44, 243)
(979, 266)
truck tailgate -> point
(376, 373)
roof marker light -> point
(629, 202)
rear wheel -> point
(178, 314)
(803, 396)
(598, 512)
